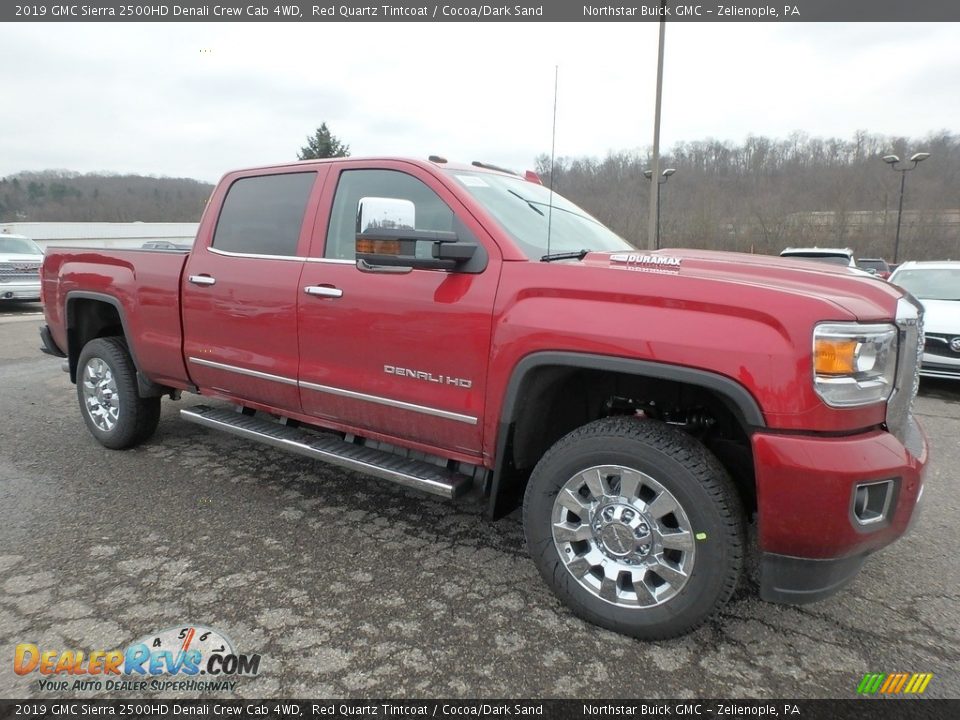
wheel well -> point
(551, 401)
(86, 320)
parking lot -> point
(352, 587)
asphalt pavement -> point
(351, 587)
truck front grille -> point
(943, 345)
(14, 271)
(909, 353)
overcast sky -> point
(197, 99)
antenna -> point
(553, 153)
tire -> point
(635, 526)
(112, 408)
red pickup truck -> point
(460, 329)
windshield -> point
(832, 259)
(19, 246)
(523, 209)
(930, 283)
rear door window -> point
(263, 215)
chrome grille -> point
(940, 344)
(26, 270)
(909, 352)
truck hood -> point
(941, 316)
(863, 296)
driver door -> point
(394, 353)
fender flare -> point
(145, 386)
(735, 395)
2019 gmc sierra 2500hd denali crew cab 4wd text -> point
(460, 329)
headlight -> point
(854, 364)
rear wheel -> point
(112, 408)
(635, 526)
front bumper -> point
(20, 290)
(940, 366)
(810, 541)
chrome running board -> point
(387, 466)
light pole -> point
(661, 180)
(655, 189)
(893, 161)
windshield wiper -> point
(532, 206)
(576, 255)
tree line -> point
(759, 195)
(763, 194)
(60, 195)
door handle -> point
(323, 291)
(202, 280)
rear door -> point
(240, 287)
(397, 354)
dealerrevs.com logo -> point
(187, 657)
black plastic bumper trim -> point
(798, 581)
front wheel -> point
(112, 408)
(635, 526)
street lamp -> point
(662, 180)
(893, 161)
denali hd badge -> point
(428, 376)
(646, 263)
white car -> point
(20, 259)
(937, 286)
(840, 257)
(833, 256)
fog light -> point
(871, 501)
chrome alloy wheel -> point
(623, 536)
(100, 396)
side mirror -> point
(385, 213)
(386, 239)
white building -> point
(102, 234)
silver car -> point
(20, 259)
(937, 286)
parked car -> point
(875, 266)
(437, 326)
(834, 256)
(20, 259)
(937, 286)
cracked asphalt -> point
(351, 587)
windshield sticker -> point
(472, 181)
(646, 263)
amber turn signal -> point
(378, 247)
(832, 356)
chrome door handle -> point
(323, 291)
(202, 280)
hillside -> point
(58, 195)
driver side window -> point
(431, 212)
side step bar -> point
(404, 471)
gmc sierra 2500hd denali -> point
(462, 329)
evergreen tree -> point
(323, 144)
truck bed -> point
(143, 286)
